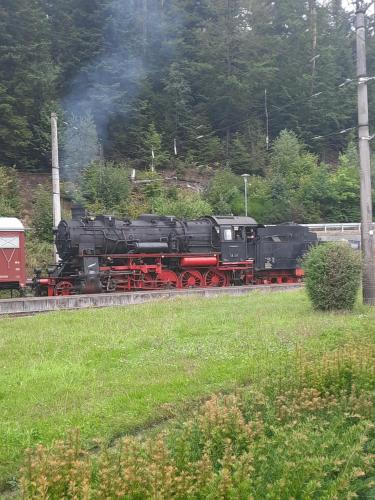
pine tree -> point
(27, 77)
(80, 145)
(151, 151)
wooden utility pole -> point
(367, 231)
(56, 206)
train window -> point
(238, 233)
(9, 242)
(228, 234)
(250, 233)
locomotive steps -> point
(32, 305)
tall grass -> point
(309, 433)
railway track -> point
(28, 306)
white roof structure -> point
(11, 224)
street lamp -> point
(245, 178)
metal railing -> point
(342, 227)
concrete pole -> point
(367, 232)
(245, 177)
(245, 196)
(55, 177)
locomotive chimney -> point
(55, 177)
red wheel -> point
(167, 279)
(63, 288)
(148, 282)
(215, 278)
(191, 279)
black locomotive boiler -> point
(108, 254)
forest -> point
(223, 87)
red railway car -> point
(12, 254)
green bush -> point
(224, 193)
(9, 193)
(105, 188)
(39, 254)
(332, 276)
(186, 204)
(42, 220)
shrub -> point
(39, 254)
(105, 187)
(42, 221)
(186, 204)
(224, 193)
(9, 193)
(332, 276)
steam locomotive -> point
(108, 254)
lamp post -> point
(245, 178)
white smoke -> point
(110, 82)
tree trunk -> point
(338, 6)
(313, 31)
(227, 146)
(144, 25)
(229, 37)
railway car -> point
(12, 254)
(107, 254)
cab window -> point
(228, 234)
(238, 233)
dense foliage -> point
(10, 203)
(42, 217)
(295, 187)
(104, 187)
(332, 276)
(179, 85)
(182, 78)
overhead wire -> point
(301, 100)
(292, 102)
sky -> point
(348, 4)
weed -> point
(310, 438)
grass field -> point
(121, 370)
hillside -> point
(189, 83)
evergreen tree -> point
(105, 187)
(151, 150)
(80, 145)
(27, 77)
(224, 193)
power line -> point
(301, 100)
(343, 131)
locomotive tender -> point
(108, 254)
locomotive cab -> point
(237, 238)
